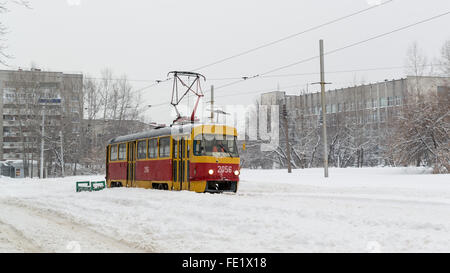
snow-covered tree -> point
(422, 135)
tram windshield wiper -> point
(226, 149)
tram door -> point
(175, 163)
(131, 164)
(180, 165)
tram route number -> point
(224, 169)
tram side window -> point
(122, 151)
(164, 147)
(142, 149)
(153, 148)
(113, 153)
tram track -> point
(29, 229)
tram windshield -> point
(215, 145)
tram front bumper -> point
(221, 186)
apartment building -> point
(31, 99)
(369, 109)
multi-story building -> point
(366, 111)
(99, 131)
(32, 98)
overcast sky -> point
(147, 39)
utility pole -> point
(62, 153)
(42, 144)
(212, 103)
(324, 110)
(286, 131)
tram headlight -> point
(236, 172)
(211, 171)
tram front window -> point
(215, 145)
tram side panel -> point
(117, 174)
(153, 171)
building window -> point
(164, 147)
(391, 101)
(153, 148)
(122, 151)
(374, 103)
(142, 149)
(333, 108)
(382, 116)
(383, 102)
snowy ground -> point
(355, 210)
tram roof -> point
(162, 131)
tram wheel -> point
(160, 187)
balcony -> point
(8, 134)
(13, 123)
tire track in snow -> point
(352, 197)
(28, 227)
(12, 240)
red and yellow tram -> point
(195, 157)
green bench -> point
(98, 185)
(90, 186)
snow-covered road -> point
(355, 210)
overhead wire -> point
(281, 39)
(335, 50)
(292, 35)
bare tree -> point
(105, 90)
(3, 30)
(112, 108)
(445, 59)
(416, 64)
(416, 61)
(422, 135)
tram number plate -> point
(224, 169)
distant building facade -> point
(28, 95)
(366, 111)
(97, 132)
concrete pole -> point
(32, 159)
(286, 130)
(62, 153)
(212, 103)
(324, 112)
(42, 144)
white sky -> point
(147, 39)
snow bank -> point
(355, 210)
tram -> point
(193, 157)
